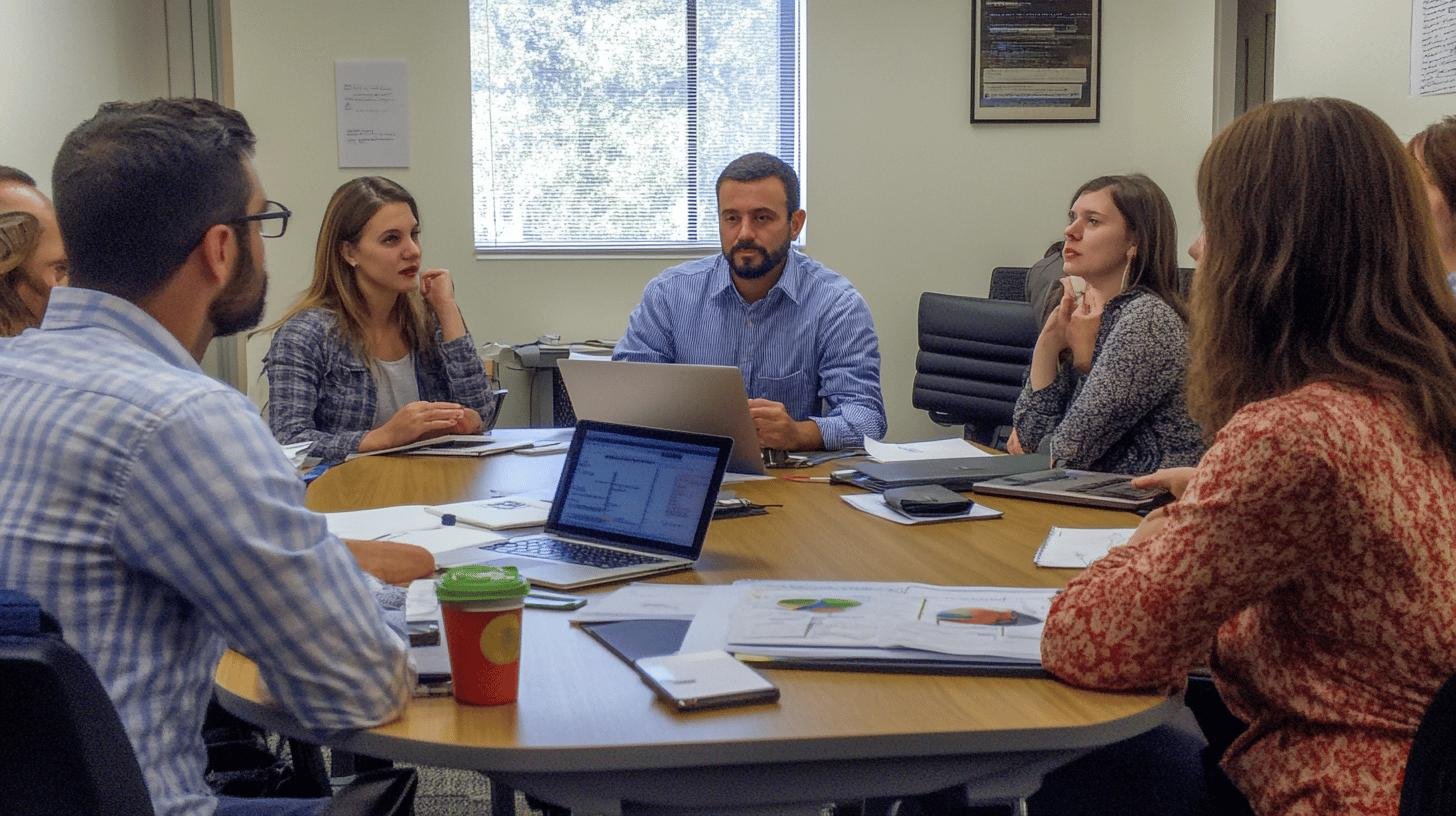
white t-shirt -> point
(396, 387)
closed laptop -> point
(1109, 490)
(956, 474)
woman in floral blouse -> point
(1309, 559)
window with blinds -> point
(602, 125)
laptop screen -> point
(641, 487)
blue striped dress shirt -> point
(149, 509)
(809, 343)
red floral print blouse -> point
(1312, 563)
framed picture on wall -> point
(1036, 60)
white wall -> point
(65, 57)
(1356, 49)
(904, 195)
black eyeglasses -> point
(275, 212)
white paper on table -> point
(420, 604)
(735, 478)
(709, 629)
(643, 601)
(874, 504)
(1079, 547)
(802, 618)
(915, 451)
(297, 452)
(420, 601)
(408, 523)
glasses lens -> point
(275, 227)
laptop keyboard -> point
(554, 549)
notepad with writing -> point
(1073, 548)
(502, 513)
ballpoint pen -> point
(446, 520)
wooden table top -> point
(581, 708)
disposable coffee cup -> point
(481, 609)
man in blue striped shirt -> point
(799, 332)
(147, 507)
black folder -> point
(635, 639)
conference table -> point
(588, 735)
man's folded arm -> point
(215, 512)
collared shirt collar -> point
(791, 282)
(72, 307)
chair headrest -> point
(21, 615)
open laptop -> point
(632, 501)
(699, 398)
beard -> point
(750, 271)
(237, 307)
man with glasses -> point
(148, 508)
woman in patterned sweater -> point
(375, 354)
(1308, 560)
(1105, 386)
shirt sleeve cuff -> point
(836, 434)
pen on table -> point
(446, 520)
(821, 479)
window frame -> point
(790, 80)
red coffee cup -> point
(481, 609)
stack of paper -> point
(916, 451)
(874, 504)
(1078, 548)
(451, 445)
(411, 524)
(640, 601)
(500, 513)
(876, 625)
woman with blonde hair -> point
(1105, 386)
(22, 300)
(1434, 149)
(375, 354)
(1308, 560)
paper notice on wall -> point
(1433, 47)
(373, 108)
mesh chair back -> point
(973, 357)
(63, 748)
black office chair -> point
(1430, 771)
(1008, 283)
(64, 750)
(973, 357)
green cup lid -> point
(481, 583)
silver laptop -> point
(632, 501)
(1113, 491)
(699, 398)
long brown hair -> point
(1154, 230)
(1319, 264)
(19, 235)
(1435, 149)
(335, 285)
